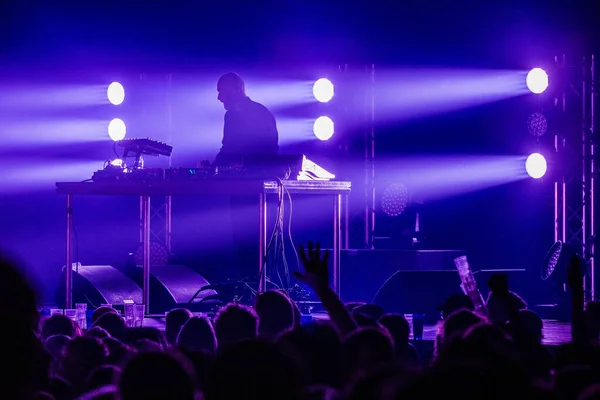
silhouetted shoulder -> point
(260, 108)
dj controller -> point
(255, 166)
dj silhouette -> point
(249, 129)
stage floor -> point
(555, 332)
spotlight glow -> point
(323, 90)
(117, 129)
(323, 128)
(537, 80)
(115, 93)
(536, 165)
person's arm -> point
(226, 142)
(316, 275)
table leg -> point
(69, 261)
(145, 222)
(337, 205)
(168, 223)
(262, 242)
(346, 222)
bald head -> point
(231, 89)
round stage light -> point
(537, 80)
(115, 93)
(395, 199)
(117, 129)
(536, 165)
(323, 128)
(323, 90)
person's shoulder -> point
(260, 106)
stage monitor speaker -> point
(99, 284)
(173, 286)
(422, 292)
(417, 292)
(363, 272)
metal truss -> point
(575, 205)
(160, 206)
(160, 221)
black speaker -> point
(99, 284)
(171, 286)
(363, 272)
(417, 292)
(174, 286)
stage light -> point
(537, 80)
(394, 199)
(117, 163)
(323, 128)
(115, 93)
(117, 129)
(557, 261)
(536, 165)
(537, 124)
(323, 90)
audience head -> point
(398, 328)
(235, 322)
(253, 369)
(81, 355)
(315, 349)
(459, 321)
(97, 332)
(113, 323)
(456, 302)
(55, 344)
(531, 325)
(275, 313)
(197, 334)
(372, 311)
(100, 311)
(368, 348)
(157, 375)
(150, 333)
(17, 290)
(592, 392)
(145, 345)
(364, 320)
(174, 321)
(59, 324)
(118, 352)
(101, 376)
(498, 283)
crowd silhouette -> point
(264, 352)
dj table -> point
(208, 187)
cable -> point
(290, 231)
(271, 241)
(279, 239)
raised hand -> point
(316, 269)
